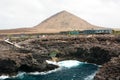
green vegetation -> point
(116, 32)
(53, 54)
(9, 36)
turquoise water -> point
(69, 70)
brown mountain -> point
(62, 21)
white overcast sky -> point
(28, 13)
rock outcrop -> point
(12, 61)
(98, 49)
(110, 70)
(93, 49)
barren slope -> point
(18, 31)
(64, 21)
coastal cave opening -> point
(94, 54)
(25, 68)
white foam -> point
(44, 73)
(51, 62)
(4, 77)
(61, 64)
(90, 77)
(66, 63)
(20, 75)
(69, 63)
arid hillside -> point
(62, 21)
(17, 31)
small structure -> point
(92, 31)
(74, 32)
(100, 31)
(88, 31)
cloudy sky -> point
(28, 13)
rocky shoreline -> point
(98, 49)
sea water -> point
(68, 70)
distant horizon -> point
(24, 14)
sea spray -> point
(20, 75)
(69, 63)
(4, 77)
(90, 77)
(61, 64)
(44, 73)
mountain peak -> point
(64, 11)
(64, 21)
